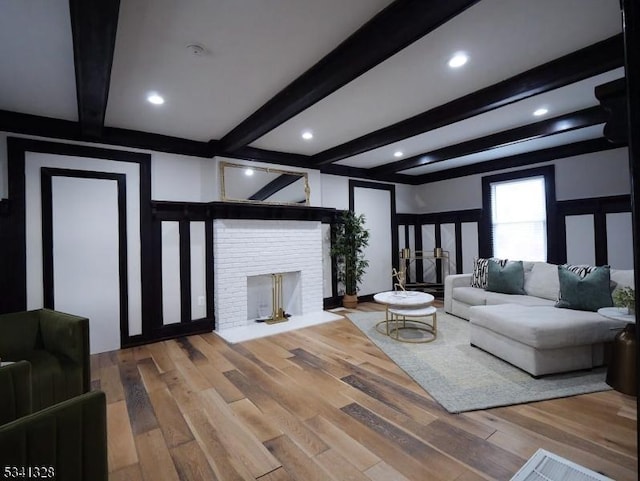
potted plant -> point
(350, 239)
(625, 297)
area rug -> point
(464, 378)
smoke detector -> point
(196, 50)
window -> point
(519, 215)
(519, 219)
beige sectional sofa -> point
(527, 330)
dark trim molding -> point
(14, 277)
(93, 25)
(631, 30)
(184, 229)
(46, 176)
(613, 99)
(537, 130)
(269, 156)
(448, 217)
(584, 63)
(209, 277)
(353, 184)
(484, 228)
(64, 129)
(607, 205)
(169, 210)
(394, 28)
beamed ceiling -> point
(368, 78)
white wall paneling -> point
(32, 163)
(597, 231)
(469, 233)
(619, 240)
(86, 255)
(376, 205)
(171, 298)
(581, 248)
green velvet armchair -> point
(57, 347)
(65, 442)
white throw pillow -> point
(480, 269)
(543, 281)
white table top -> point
(617, 313)
(404, 298)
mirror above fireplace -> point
(263, 185)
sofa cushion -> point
(470, 295)
(543, 281)
(588, 292)
(494, 298)
(507, 279)
(480, 269)
(545, 327)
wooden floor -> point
(323, 403)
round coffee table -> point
(404, 311)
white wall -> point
(335, 192)
(589, 175)
(182, 178)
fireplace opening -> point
(273, 298)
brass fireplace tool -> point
(277, 313)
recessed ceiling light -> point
(458, 60)
(398, 154)
(248, 171)
(155, 99)
(540, 111)
(307, 135)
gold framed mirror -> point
(263, 185)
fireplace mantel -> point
(168, 210)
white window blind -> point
(519, 219)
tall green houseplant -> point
(350, 239)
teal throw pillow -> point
(507, 278)
(588, 293)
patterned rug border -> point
(463, 378)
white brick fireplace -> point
(247, 248)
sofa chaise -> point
(526, 329)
